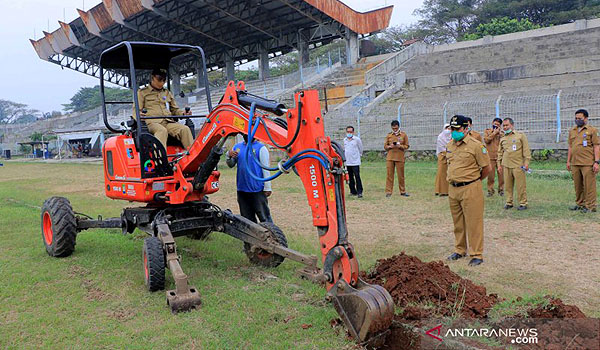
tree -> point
(446, 21)
(393, 38)
(499, 26)
(38, 136)
(25, 149)
(13, 112)
(540, 12)
(88, 98)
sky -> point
(45, 86)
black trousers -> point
(253, 205)
(355, 182)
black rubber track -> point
(263, 258)
(153, 250)
(64, 226)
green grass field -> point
(96, 298)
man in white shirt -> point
(353, 150)
(441, 183)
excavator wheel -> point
(262, 257)
(154, 264)
(59, 227)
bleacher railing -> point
(546, 119)
(274, 87)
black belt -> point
(461, 184)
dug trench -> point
(430, 295)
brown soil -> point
(561, 326)
(559, 333)
(401, 338)
(556, 309)
(431, 289)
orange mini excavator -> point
(173, 184)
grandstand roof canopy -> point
(235, 30)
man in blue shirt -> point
(251, 193)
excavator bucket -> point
(367, 310)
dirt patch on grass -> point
(93, 293)
(556, 309)
(77, 271)
(121, 314)
(424, 290)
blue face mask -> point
(349, 135)
(457, 135)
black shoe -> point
(360, 195)
(455, 256)
(522, 207)
(490, 194)
(444, 195)
(388, 195)
(585, 210)
(437, 194)
(475, 262)
(501, 193)
(405, 194)
(507, 206)
(575, 207)
(593, 210)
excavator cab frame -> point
(136, 60)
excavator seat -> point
(171, 141)
(153, 156)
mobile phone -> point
(187, 109)
(395, 143)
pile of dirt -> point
(563, 326)
(555, 309)
(425, 290)
(428, 291)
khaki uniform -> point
(477, 136)
(441, 182)
(465, 161)
(513, 153)
(492, 143)
(395, 160)
(582, 142)
(162, 103)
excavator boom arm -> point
(367, 310)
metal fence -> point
(274, 87)
(544, 118)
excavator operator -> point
(155, 100)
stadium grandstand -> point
(230, 32)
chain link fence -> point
(544, 118)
